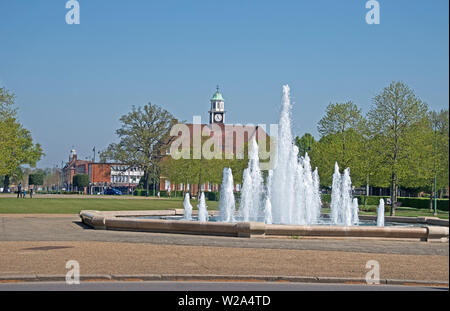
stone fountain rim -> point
(431, 230)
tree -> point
(7, 109)
(341, 141)
(440, 127)
(391, 119)
(305, 144)
(434, 168)
(144, 140)
(339, 119)
(16, 144)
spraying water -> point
(355, 214)
(316, 192)
(246, 196)
(202, 209)
(335, 194)
(251, 207)
(268, 203)
(227, 203)
(380, 214)
(256, 210)
(293, 190)
(187, 207)
(343, 210)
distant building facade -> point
(101, 175)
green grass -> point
(74, 206)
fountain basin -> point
(430, 229)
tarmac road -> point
(205, 286)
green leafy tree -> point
(433, 173)
(440, 127)
(144, 139)
(341, 141)
(394, 114)
(305, 144)
(16, 144)
(7, 109)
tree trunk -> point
(367, 190)
(6, 184)
(431, 197)
(146, 183)
(393, 194)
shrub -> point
(212, 196)
(80, 180)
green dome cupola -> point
(217, 112)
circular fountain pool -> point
(171, 221)
(323, 220)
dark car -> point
(112, 191)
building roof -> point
(217, 96)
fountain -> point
(202, 209)
(292, 191)
(380, 214)
(187, 207)
(290, 195)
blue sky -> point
(73, 82)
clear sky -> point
(73, 82)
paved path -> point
(70, 228)
(39, 244)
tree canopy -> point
(16, 143)
(144, 139)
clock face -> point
(218, 117)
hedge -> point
(162, 193)
(419, 203)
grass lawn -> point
(74, 206)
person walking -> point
(19, 190)
(31, 193)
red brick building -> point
(101, 175)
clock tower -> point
(217, 111)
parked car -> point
(112, 191)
